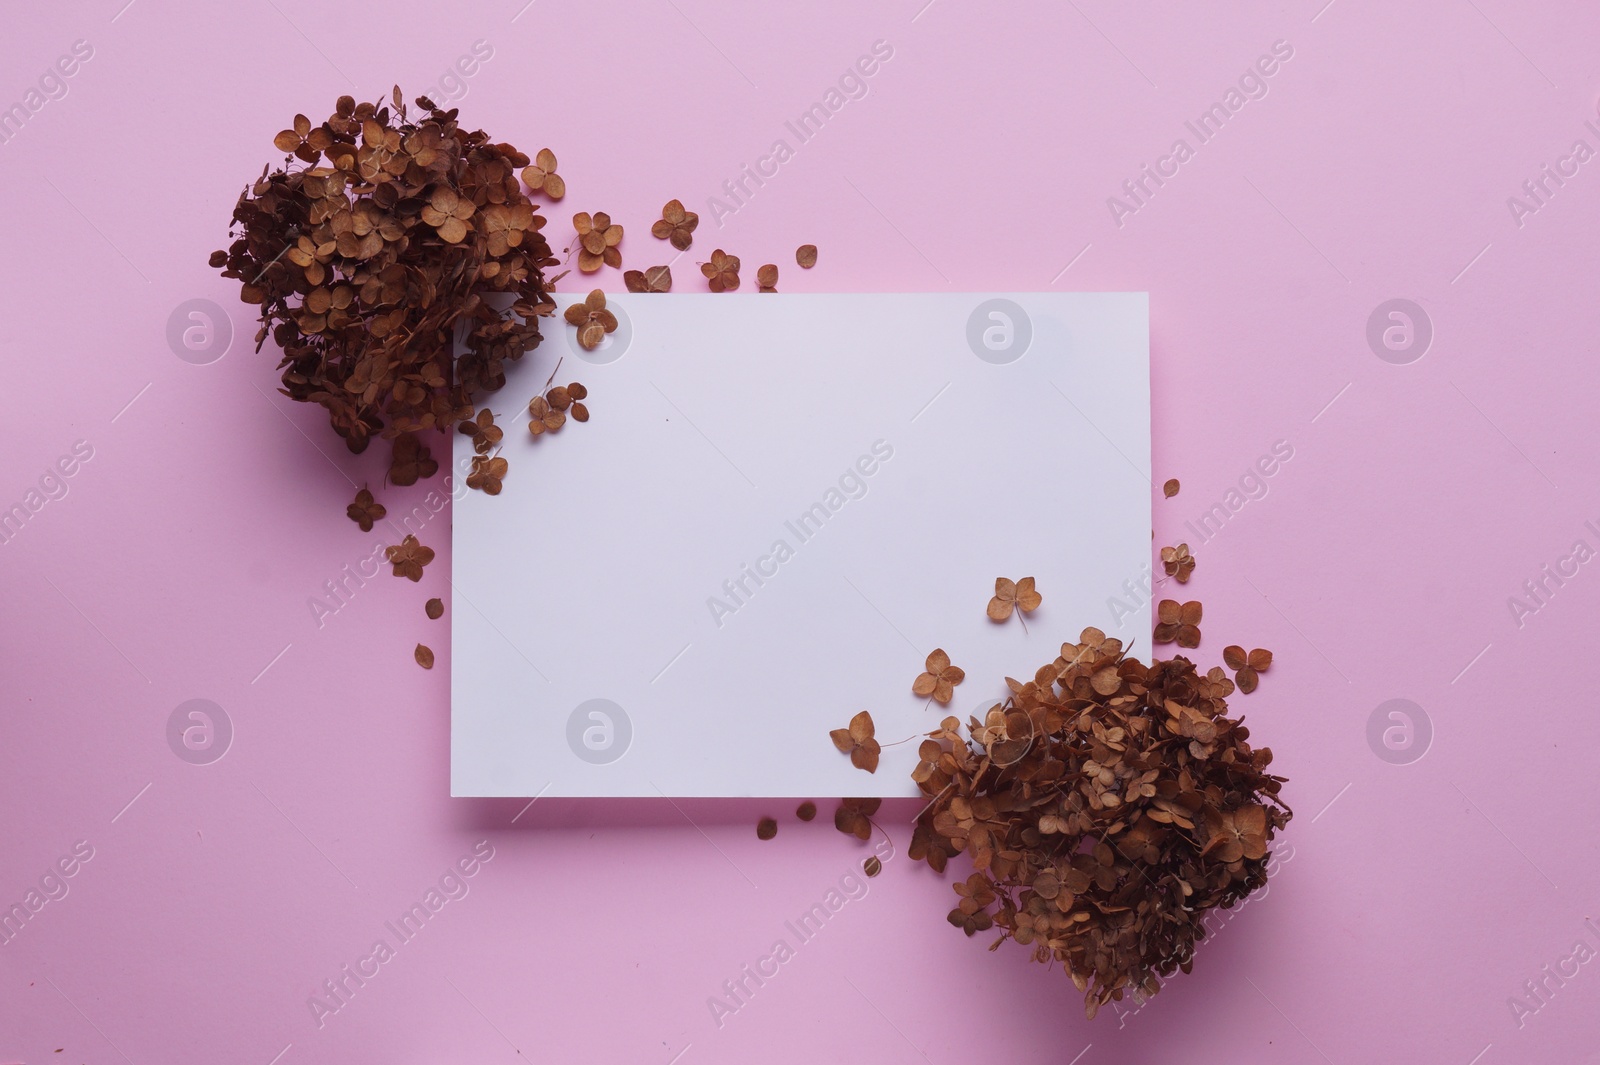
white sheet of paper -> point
(781, 505)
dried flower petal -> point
(806, 256)
(1170, 489)
(767, 278)
(766, 828)
(434, 608)
(872, 866)
(806, 810)
(424, 656)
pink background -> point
(1419, 898)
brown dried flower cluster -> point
(371, 252)
(1107, 805)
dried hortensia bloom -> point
(1009, 595)
(722, 272)
(1135, 807)
(541, 175)
(364, 511)
(939, 678)
(858, 742)
(1178, 562)
(1178, 623)
(592, 320)
(597, 241)
(653, 279)
(372, 259)
(676, 225)
(408, 557)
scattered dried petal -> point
(806, 256)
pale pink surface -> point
(1378, 566)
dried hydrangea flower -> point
(597, 240)
(486, 435)
(411, 461)
(541, 176)
(592, 320)
(939, 678)
(543, 417)
(1009, 594)
(1247, 667)
(365, 260)
(447, 212)
(364, 511)
(854, 817)
(486, 474)
(654, 279)
(676, 225)
(1178, 623)
(857, 741)
(408, 557)
(1178, 562)
(722, 272)
(806, 256)
(1137, 808)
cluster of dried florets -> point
(396, 262)
(1107, 805)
